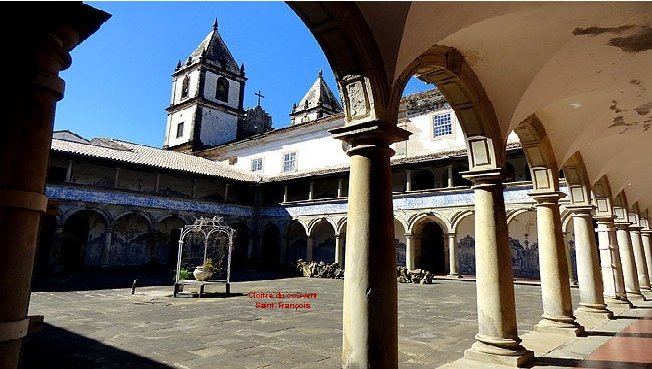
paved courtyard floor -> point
(111, 328)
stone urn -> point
(201, 273)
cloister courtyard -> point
(98, 326)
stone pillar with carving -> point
(497, 340)
(553, 265)
(37, 49)
(588, 268)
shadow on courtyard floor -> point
(57, 348)
(111, 279)
(587, 364)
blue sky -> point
(120, 80)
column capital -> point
(375, 133)
(635, 227)
(547, 197)
(622, 225)
(581, 209)
(484, 177)
(646, 231)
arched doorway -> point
(131, 241)
(240, 246)
(271, 239)
(433, 252)
(523, 244)
(73, 241)
(399, 236)
(324, 235)
(297, 241)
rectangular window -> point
(256, 164)
(442, 125)
(180, 130)
(290, 162)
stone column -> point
(588, 267)
(310, 244)
(340, 188)
(284, 251)
(408, 180)
(630, 275)
(453, 256)
(311, 190)
(370, 309)
(226, 192)
(612, 274)
(106, 250)
(639, 257)
(55, 261)
(497, 340)
(285, 193)
(571, 278)
(69, 172)
(646, 238)
(410, 252)
(553, 265)
(339, 257)
(450, 176)
(116, 178)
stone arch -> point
(539, 154)
(577, 180)
(400, 231)
(323, 234)
(131, 243)
(431, 250)
(415, 220)
(458, 217)
(341, 225)
(446, 68)
(149, 218)
(511, 214)
(311, 225)
(523, 242)
(168, 231)
(62, 217)
(297, 240)
(270, 237)
(240, 252)
(82, 240)
(349, 45)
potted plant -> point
(204, 271)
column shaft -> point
(310, 244)
(106, 250)
(646, 236)
(370, 321)
(630, 275)
(553, 266)
(588, 267)
(639, 258)
(339, 257)
(454, 260)
(497, 339)
(410, 252)
(450, 176)
(612, 273)
(408, 180)
(311, 190)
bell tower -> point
(207, 96)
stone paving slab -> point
(113, 329)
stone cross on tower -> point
(259, 96)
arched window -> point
(184, 87)
(222, 89)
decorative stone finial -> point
(178, 65)
(320, 75)
(215, 25)
(189, 60)
(294, 107)
(242, 68)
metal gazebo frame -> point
(206, 227)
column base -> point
(619, 303)
(560, 325)
(636, 297)
(594, 311)
(454, 276)
(513, 358)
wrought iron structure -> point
(206, 241)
